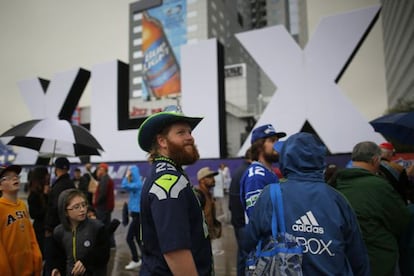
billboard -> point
(157, 34)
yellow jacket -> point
(19, 251)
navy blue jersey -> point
(254, 179)
(172, 219)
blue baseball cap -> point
(265, 131)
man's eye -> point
(182, 132)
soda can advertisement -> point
(163, 29)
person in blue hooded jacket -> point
(132, 183)
(316, 214)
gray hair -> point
(365, 151)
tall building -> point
(262, 13)
(398, 32)
(247, 88)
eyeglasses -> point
(10, 177)
(78, 206)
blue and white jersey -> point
(254, 179)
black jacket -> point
(235, 205)
(91, 247)
(62, 183)
(89, 243)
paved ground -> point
(224, 248)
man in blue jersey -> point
(317, 215)
(174, 233)
(260, 172)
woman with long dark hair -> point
(37, 200)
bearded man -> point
(260, 172)
(174, 232)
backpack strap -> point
(281, 211)
(274, 209)
(201, 197)
(287, 245)
(273, 196)
(278, 219)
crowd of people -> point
(357, 220)
(60, 231)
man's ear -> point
(375, 159)
(161, 140)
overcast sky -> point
(44, 37)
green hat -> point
(155, 123)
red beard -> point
(182, 155)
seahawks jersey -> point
(254, 179)
(172, 219)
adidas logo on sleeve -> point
(307, 223)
